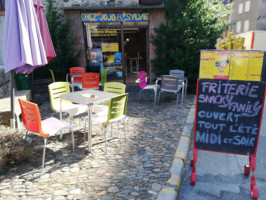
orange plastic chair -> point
(90, 81)
(75, 77)
(49, 127)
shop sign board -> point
(103, 33)
(228, 115)
(115, 16)
(233, 65)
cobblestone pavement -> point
(135, 168)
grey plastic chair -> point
(170, 84)
(182, 80)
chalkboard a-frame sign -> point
(228, 116)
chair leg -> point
(125, 128)
(104, 131)
(159, 98)
(73, 139)
(177, 98)
(43, 154)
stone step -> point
(5, 103)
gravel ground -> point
(135, 168)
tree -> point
(63, 41)
(191, 25)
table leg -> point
(182, 96)
(90, 128)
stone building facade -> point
(74, 9)
(249, 15)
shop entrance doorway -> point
(135, 48)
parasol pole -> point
(12, 120)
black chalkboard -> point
(228, 115)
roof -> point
(87, 6)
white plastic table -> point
(88, 97)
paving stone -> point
(136, 168)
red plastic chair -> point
(90, 81)
(75, 77)
(49, 127)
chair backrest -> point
(90, 80)
(177, 72)
(115, 87)
(169, 83)
(52, 75)
(77, 71)
(142, 79)
(117, 107)
(31, 117)
(103, 76)
(55, 90)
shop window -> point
(246, 25)
(104, 48)
(238, 27)
(247, 6)
(240, 8)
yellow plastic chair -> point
(55, 90)
(116, 113)
(114, 87)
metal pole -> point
(12, 80)
(123, 52)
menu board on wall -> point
(228, 115)
(232, 65)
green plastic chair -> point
(103, 77)
(116, 113)
(112, 87)
(52, 74)
(115, 87)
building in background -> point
(248, 15)
(119, 29)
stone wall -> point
(96, 3)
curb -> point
(170, 191)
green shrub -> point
(191, 25)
